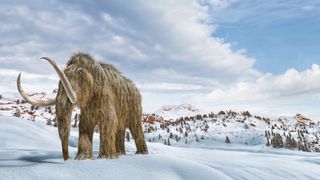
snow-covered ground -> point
(31, 150)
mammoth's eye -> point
(79, 71)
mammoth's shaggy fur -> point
(107, 99)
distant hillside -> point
(177, 111)
(235, 128)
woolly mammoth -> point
(106, 99)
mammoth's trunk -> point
(63, 115)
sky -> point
(254, 55)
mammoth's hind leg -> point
(138, 136)
(86, 130)
(120, 142)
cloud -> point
(218, 3)
(139, 39)
(30, 82)
(173, 32)
(164, 86)
(262, 13)
(276, 93)
(308, 7)
(167, 47)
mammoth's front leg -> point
(63, 115)
(108, 129)
(86, 130)
(64, 131)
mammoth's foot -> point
(142, 152)
(107, 156)
(84, 156)
(121, 152)
(65, 156)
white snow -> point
(177, 111)
(31, 150)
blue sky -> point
(278, 34)
(260, 56)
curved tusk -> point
(64, 80)
(40, 103)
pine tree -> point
(171, 135)
(177, 138)
(55, 122)
(48, 109)
(169, 144)
(268, 143)
(76, 120)
(128, 136)
(180, 129)
(49, 122)
(227, 140)
(277, 141)
(186, 134)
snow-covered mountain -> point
(176, 111)
(185, 125)
(236, 128)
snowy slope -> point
(31, 150)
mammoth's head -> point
(75, 87)
(76, 83)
